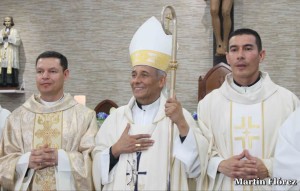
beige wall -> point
(95, 35)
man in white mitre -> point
(243, 116)
(132, 144)
(47, 141)
(287, 155)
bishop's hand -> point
(173, 110)
(131, 143)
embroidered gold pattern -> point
(47, 130)
(45, 179)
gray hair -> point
(161, 73)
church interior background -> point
(95, 35)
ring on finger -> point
(137, 145)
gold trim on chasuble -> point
(246, 132)
(47, 130)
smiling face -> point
(146, 84)
(50, 78)
(244, 58)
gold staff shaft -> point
(171, 16)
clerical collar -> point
(47, 103)
(139, 105)
(247, 89)
(236, 83)
(145, 107)
(146, 114)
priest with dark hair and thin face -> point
(244, 116)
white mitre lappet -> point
(151, 46)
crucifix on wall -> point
(222, 22)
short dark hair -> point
(53, 54)
(11, 20)
(249, 32)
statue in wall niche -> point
(9, 54)
(219, 27)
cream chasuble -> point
(147, 169)
(143, 118)
(136, 173)
(66, 125)
(235, 118)
(4, 113)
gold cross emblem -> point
(48, 129)
(247, 131)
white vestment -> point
(273, 105)
(152, 172)
(287, 154)
(68, 126)
(4, 113)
